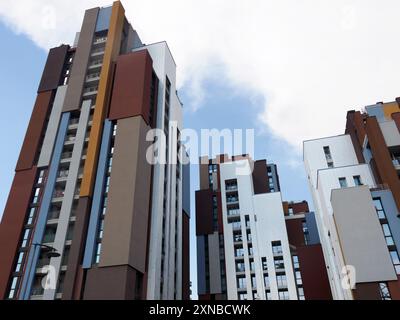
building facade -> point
(355, 186)
(88, 216)
(251, 245)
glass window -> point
(14, 282)
(386, 230)
(357, 180)
(26, 238)
(379, 208)
(281, 280)
(300, 292)
(384, 290)
(40, 177)
(296, 263)
(279, 264)
(299, 280)
(266, 281)
(277, 248)
(19, 262)
(243, 296)
(395, 257)
(241, 283)
(284, 295)
(36, 196)
(343, 182)
(268, 295)
(31, 215)
(291, 211)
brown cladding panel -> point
(396, 118)
(81, 60)
(53, 69)
(132, 86)
(260, 177)
(185, 257)
(299, 207)
(394, 289)
(313, 272)
(204, 212)
(111, 283)
(355, 128)
(128, 209)
(13, 222)
(73, 282)
(35, 131)
(295, 232)
(367, 291)
(384, 164)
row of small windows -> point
(356, 179)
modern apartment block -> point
(354, 180)
(251, 245)
(86, 208)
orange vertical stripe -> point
(112, 51)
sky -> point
(290, 69)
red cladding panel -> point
(13, 222)
(313, 273)
(33, 137)
(204, 212)
(132, 86)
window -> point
(31, 215)
(387, 234)
(296, 263)
(264, 263)
(19, 262)
(36, 196)
(291, 211)
(279, 264)
(283, 295)
(242, 296)
(253, 282)
(240, 267)
(379, 208)
(268, 295)
(277, 248)
(328, 157)
(266, 281)
(299, 280)
(41, 177)
(305, 232)
(241, 283)
(26, 238)
(395, 260)
(384, 290)
(239, 252)
(357, 180)
(300, 292)
(343, 182)
(14, 282)
(252, 266)
(281, 280)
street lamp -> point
(49, 251)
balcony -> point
(100, 40)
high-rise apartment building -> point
(86, 208)
(251, 245)
(354, 180)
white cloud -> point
(312, 60)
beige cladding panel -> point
(126, 222)
(81, 60)
(361, 236)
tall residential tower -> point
(251, 245)
(87, 211)
(354, 180)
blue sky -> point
(222, 107)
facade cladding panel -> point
(111, 283)
(204, 212)
(312, 263)
(36, 129)
(295, 232)
(126, 222)
(73, 283)
(132, 85)
(260, 174)
(13, 221)
(81, 61)
(53, 69)
(111, 53)
(364, 247)
(186, 257)
(382, 158)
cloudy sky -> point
(288, 68)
